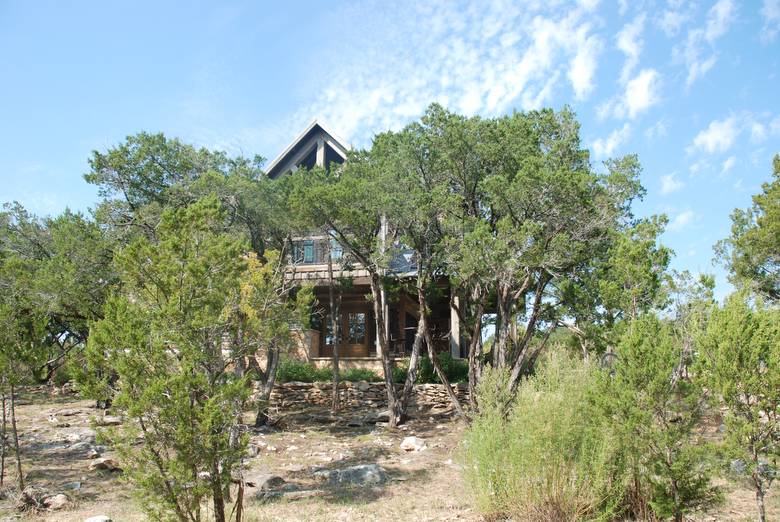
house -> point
(358, 348)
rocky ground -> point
(310, 466)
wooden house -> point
(358, 348)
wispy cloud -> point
(681, 221)
(670, 183)
(698, 52)
(719, 136)
(770, 12)
(629, 41)
(606, 147)
(657, 129)
(728, 164)
(477, 58)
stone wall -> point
(362, 394)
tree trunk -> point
(475, 345)
(216, 490)
(4, 442)
(334, 328)
(474, 371)
(20, 477)
(759, 497)
(379, 320)
(503, 328)
(414, 364)
(422, 303)
(267, 387)
(240, 500)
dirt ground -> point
(55, 435)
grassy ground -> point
(425, 485)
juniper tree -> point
(655, 417)
(740, 360)
(752, 253)
(163, 337)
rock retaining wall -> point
(363, 394)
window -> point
(335, 250)
(308, 251)
(357, 328)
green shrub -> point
(544, 456)
(360, 374)
(456, 370)
(290, 370)
(399, 373)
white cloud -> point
(606, 147)
(681, 220)
(642, 92)
(770, 11)
(672, 21)
(477, 58)
(699, 166)
(728, 164)
(656, 130)
(698, 57)
(757, 132)
(670, 183)
(582, 66)
(629, 41)
(639, 94)
(720, 17)
(719, 136)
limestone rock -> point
(55, 502)
(82, 435)
(362, 475)
(109, 420)
(106, 463)
(413, 444)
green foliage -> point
(400, 371)
(654, 411)
(58, 272)
(159, 350)
(740, 359)
(542, 456)
(361, 374)
(752, 253)
(291, 370)
(456, 370)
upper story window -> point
(315, 251)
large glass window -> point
(335, 250)
(308, 251)
(357, 328)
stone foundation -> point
(363, 394)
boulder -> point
(55, 502)
(82, 435)
(265, 482)
(362, 475)
(106, 463)
(413, 444)
(109, 420)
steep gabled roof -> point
(300, 151)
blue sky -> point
(692, 87)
